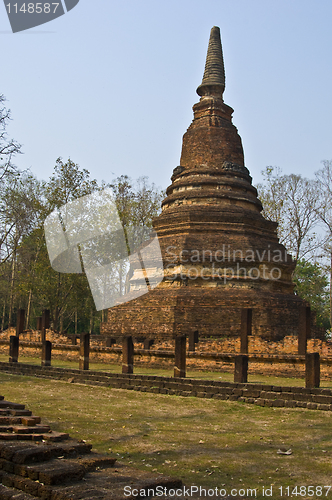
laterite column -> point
(148, 343)
(193, 339)
(312, 370)
(20, 321)
(127, 355)
(110, 341)
(241, 368)
(180, 356)
(39, 323)
(304, 329)
(84, 351)
(45, 323)
(246, 323)
(13, 348)
(46, 353)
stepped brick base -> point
(36, 462)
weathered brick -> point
(321, 406)
(322, 399)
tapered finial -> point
(213, 82)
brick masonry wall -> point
(259, 394)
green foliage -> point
(312, 285)
(27, 279)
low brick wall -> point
(259, 394)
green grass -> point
(205, 442)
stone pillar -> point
(20, 321)
(312, 370)
(241, 368)
(148, 343)
(180, 356)
(193, 339)
(46, 353)
(246, 324)
(84, 351)
(45, 323)
(39, 323)
(110, 341)
(304, 329)
(13, 348)
(127, 355)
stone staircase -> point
(36, 462)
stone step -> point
(55, 471)
(9, 420)
(104, 484)
(55, 436)
(12, 406)
(20, 413)
(11, 436)
(31, 420)
(34, 429)
(27, 453)
(51, 436)
(12, 494)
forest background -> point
(302, 208)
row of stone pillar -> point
(312, 360)
(46, 353)
(43, 324)
(312, 369)
(241, 363)
(303, 335)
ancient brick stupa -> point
(220, 255)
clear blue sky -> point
(111, 84)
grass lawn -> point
(204, 442)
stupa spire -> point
(213, 82)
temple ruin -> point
(220, 254)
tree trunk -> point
(11, 293)
(30, 291)
(57, 308)
(331, 292)
(3, 316)
(61, 323)
(75, 321)
(28, 310)
(91, 321)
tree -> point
(9, 216)
(291, 201)
(138, 203)
(68, 183)
(8, 147)
(324, 212)
(24, 210)
(312, 285)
